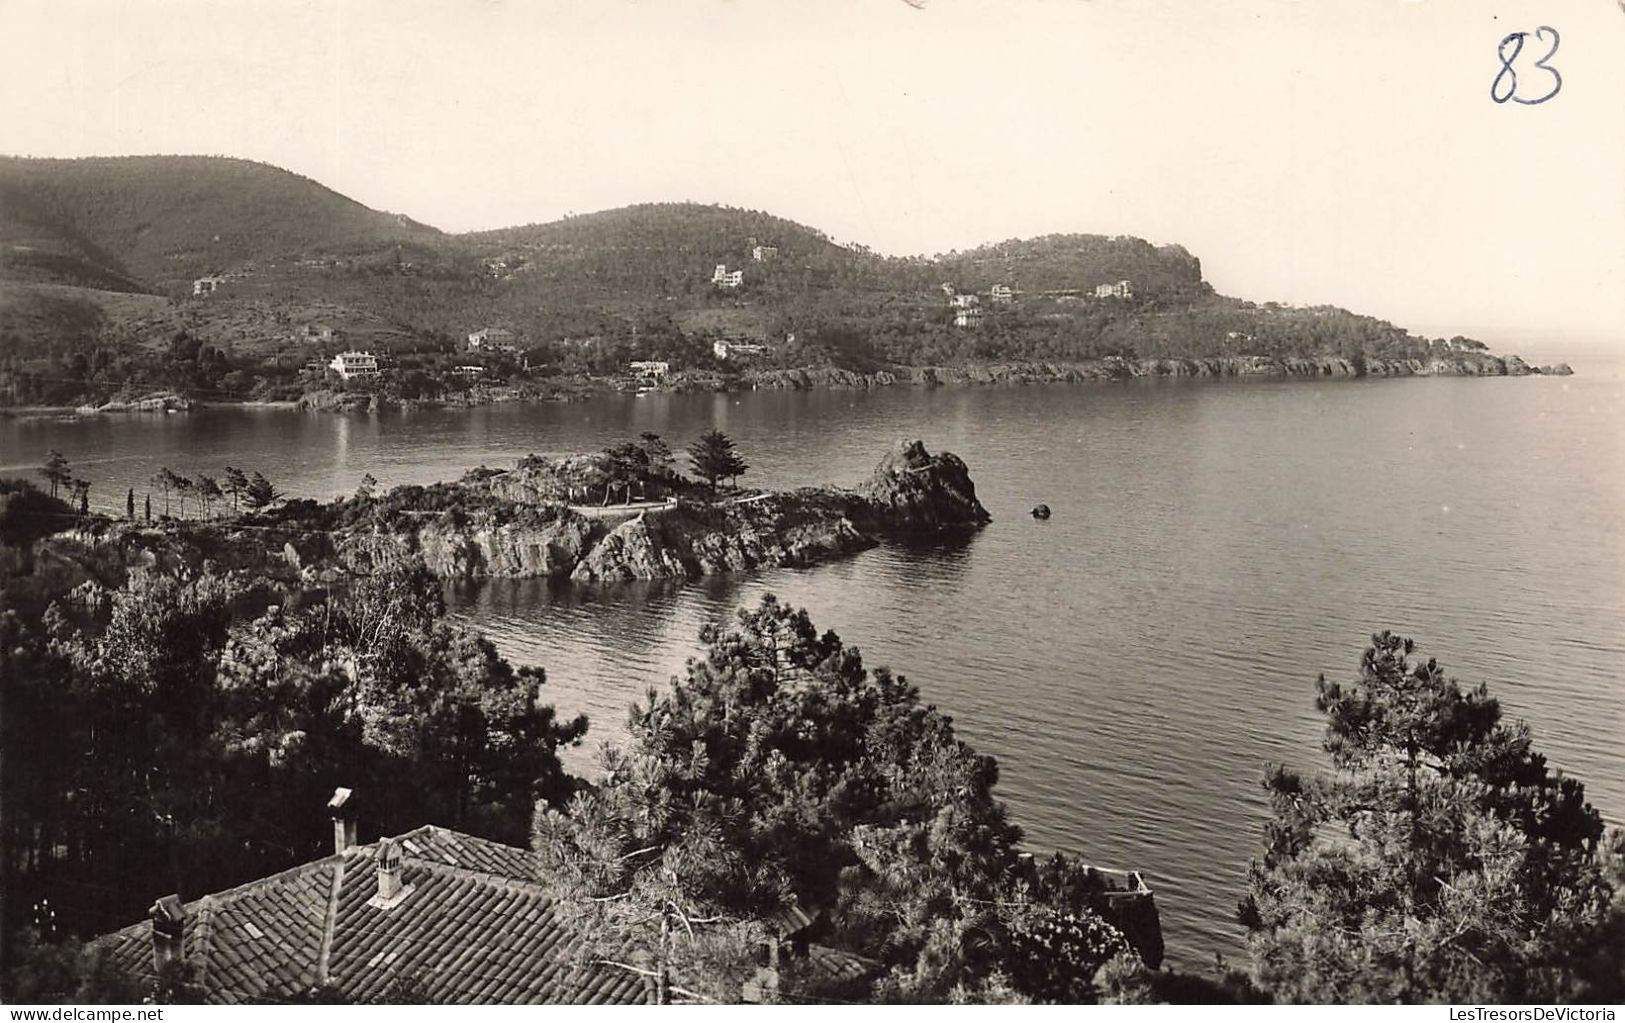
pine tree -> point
(259, 492)
(778, 771)
(713, 458)
(184, 485)
(208, 491)
(236, 485)
(166, 480)
(1440, 860)
(55, 470)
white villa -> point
(491, 339)
(1003, 294)
(731, 349)
(650, 370)
(355, 365)
(1122, 289)
(722, 277)
(763, 253)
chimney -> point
(391, 886)
(168, 930)
(342, 809)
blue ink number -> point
(1505, 85)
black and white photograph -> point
(825, 503)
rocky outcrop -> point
(632, 550)
(808, 378)
(167, 401)
(798, 528)
(324, 400)
(912, 490)
(478, 550)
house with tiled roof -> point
(446, 916)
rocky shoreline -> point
(1131, 369)
(911, 492)
(978, 374)
(836, 378)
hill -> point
(298, 271)
(165, 220)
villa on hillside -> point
(208, 285)
(733, 349)
(1002, 294)
(491, 339)
(1122, 289)
(968, 316)
(653, 371)
(763, 253)
(964, 301)
(355, 365)
(722, 277)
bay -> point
(1134, 661)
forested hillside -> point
(168, 219)
(232, 279)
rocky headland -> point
(513, 524)
(910, 492)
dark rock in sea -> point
(912, 490)
(1561, 369)
(1041, 511)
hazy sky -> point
(1314, 151)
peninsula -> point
(544, 518)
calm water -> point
(1132, 662)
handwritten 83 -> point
(1506, 86)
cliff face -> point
(479, 550)
(913, 490)
(799, 528)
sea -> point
(1134, 661)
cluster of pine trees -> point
(173, 733)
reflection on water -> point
(1133, 661)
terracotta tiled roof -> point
(474, 928)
